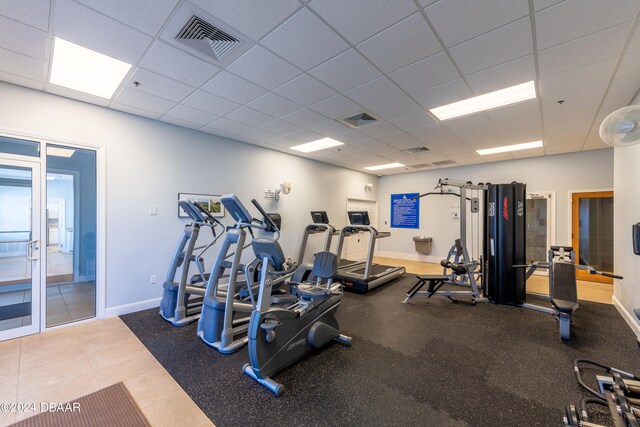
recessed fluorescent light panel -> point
(506, 148)
(78, 68)
(499, 98)
(320, 144)
(387, 166)
(60, 152)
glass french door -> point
(540, 226)
(20, 248)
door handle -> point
(30, 249)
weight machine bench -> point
(434, 282)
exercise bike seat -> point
(564, 293)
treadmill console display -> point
(319, 217)
(359, 218)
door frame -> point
(574, 226)
(100, 216)
(36, 224)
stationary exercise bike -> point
(279, 337)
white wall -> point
(626, 178)
(588, 170)
(149, 163)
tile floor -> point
(68, 363)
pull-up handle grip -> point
(615, 276)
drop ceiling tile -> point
(143, 101)
(179, 122)
(330, 128)
(345, 71)
(634, 44)
(460, 20)
(305, 90)
(20, 65)
(443, 94)
(305, 136)
(612, 103)
(585, 50)
(413, 121)
(23, 39)
(497, 157)
(502, 45)
(232, 87)
(516, 114)
(397, 108)
(147, 16)
(563, 148)
(574, 97)
(274, 105)
(253, 18)
(229, 126)
(431, 71)
(578, 77)
(135, 111)
(375, 92)
(402, 44)
(434, 136)
(259, 135)
(474, 130)
(280, 127)
(337, 106)
(377, 129)
(353, 137)
(305, 118)
(34, 13)
(510, 73)
(570, 116)
(19, 80)
(210, 103)
(543, 4)
(357, 20)
(584, 17)
(628, 85)
(264, 68)
(90, 29)
(400, 140)
(157, 85)
(249, 116)
(630, 64)
(191, 115)
(74, 94)
(516, 135)
(297, 40)
(177, 65)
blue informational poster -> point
(405, 211)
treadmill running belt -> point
(374, 270)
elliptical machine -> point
(178, 305)
(222, 324)
(278, 336)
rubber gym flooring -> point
(426, 363)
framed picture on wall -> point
(210, 202)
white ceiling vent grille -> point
(444, 163)
(359, 120)
(422, 166)
(200, 32)
(416, 150)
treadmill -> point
(362, 277)
(321, 217)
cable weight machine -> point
(459, 268)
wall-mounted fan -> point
(285, 188)
(622, 127)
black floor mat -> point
(426, 363)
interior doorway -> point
(592, 232)
(356, 246)
(540, 219)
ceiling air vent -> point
(422, 166)
(207, 38)
(416, 150)
(444, 163)
(359, 120)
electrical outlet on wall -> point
(153, 279)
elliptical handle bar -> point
(265, 216)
